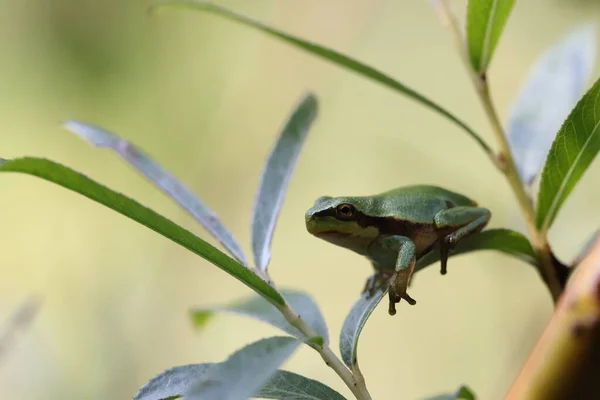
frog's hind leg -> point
(457, 223)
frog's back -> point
(418, 203)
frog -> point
(395, 228)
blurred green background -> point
(206, 97)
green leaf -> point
(286, 385)
(245, 372)
(166, 182)
(354, 322)
(259, 308)
(172, 383)
(275, 177)
(462, 393)
(504, 240)
(176, 381)
(554, 85)
(572, 152)
(328, 54)
(485, 23)
(67, 178)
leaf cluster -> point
(548, 102)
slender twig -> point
(504, 160)
(355, 384)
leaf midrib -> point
(561, 189)
(488, 35)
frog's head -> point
(340, 220)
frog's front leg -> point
(457, 223)
(398, 252)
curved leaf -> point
(245, 372)
(284, 385)
(172, 383)
(67, 178)
(328, 54)
(176, 190)
(354, 322)
(485, 22)
(275, 177)
(462, 393)
(550, 91)
(504, 240)
(259, 308)
(575, 147)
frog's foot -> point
(458, 223)
(397, 292)
(395, 298)
(376, 281)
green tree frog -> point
(393, 229)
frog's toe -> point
(396, 298)
(408, 299)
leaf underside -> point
(259, 308)
(503, 240)
(553, 86)
(164, 180)
(245, 372)
(275, 178)
(284, 385)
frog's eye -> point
(345, 211)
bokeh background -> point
(206, 97)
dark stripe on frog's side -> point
(386, 225)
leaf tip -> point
(92, 134)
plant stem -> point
(356, 386)
(538, 239)
(504, 160)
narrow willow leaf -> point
(329, 55)
(172, 383)
(72, 180)
(166, 182)
(275, 178)
(462, 393)
(354, 322)
(259, 308)
(504, 240)
(575, 147)
(245, 372)
(286, 385)
(176, 381)
(554, 84)
(485, 23)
